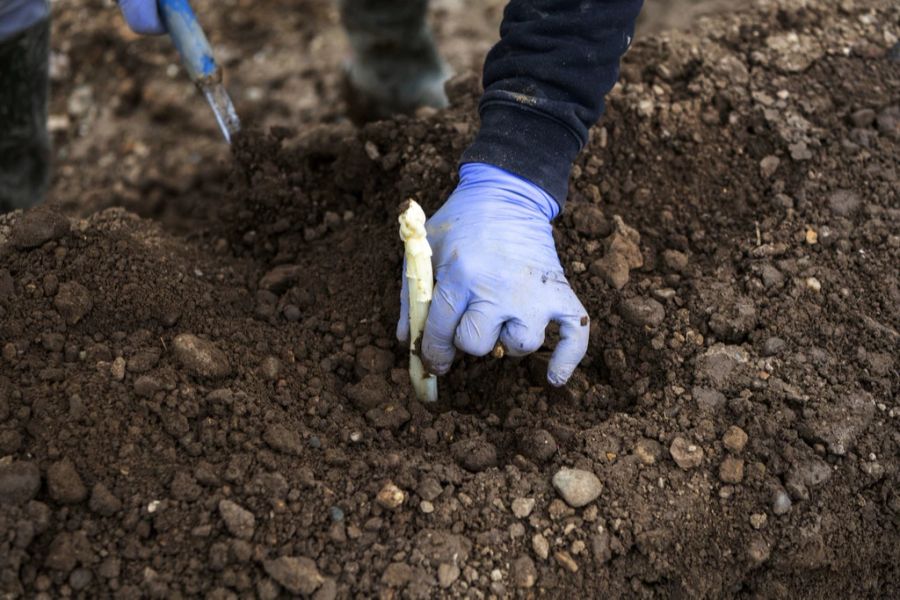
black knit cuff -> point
(527, 143)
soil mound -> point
(227, 413)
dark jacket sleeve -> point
(545, 83)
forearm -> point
(545, 82)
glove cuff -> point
(527, 143)
(515, 188)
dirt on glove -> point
(222, 410)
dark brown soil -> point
(212, 403)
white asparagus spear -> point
(421, 284)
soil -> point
(201, 394)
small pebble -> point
(731, 470)
(642, 312)
(201, 357)
(735, 439)
(758, 550)
(541, 546)
(426, 507)
(773, 346)
(390, 497)
(578, 546)
(336, 514)
(781, 503)
(648, 451)
(675, 260)
(685, 454)
(758, 520)
(524, 573)
(117, 369)
(577, 487)
(522, 507)
(566, 560)
(768, 166)
(448, 573)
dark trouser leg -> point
(24, 143)
(395, 66)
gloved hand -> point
(142, 16)
(497, 276)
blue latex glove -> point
(18, 15)
(142, 16)
(497, 275)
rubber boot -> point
(395, 67)
(24, 142)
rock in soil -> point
(524, 574)
(541, 546)
(643, 312)
(577, 487)
(390, 497)
(731, 470)
(648, 451)
(685, 454)
(522, 507)
(735, 439)
(781, 502)
(241, 523)
(297, 574)
(282, 439)
(447, 574)
(201, 357)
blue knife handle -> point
(189, 39)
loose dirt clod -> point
(298, 575)
(37, 227)
(64, 483)
(73, 301)
(19, 482)
(241, 523)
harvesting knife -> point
(197, 57)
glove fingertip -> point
(142, 17)
(556, 378)
(403, 330)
